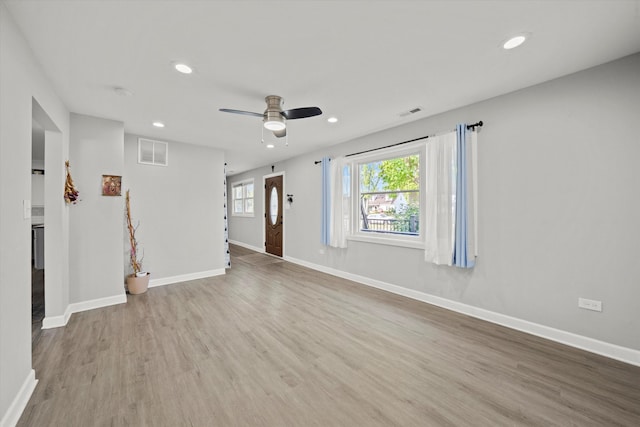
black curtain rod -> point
(475, 125)
(472, 127)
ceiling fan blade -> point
(246, 113)
(301, 113)
(280, 133)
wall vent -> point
(411, 111)
(152, 152)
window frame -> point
(391, 239)
(243, 184)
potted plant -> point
(138, 282)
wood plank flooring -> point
(275, 344)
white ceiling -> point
(362, 61)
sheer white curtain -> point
(452, 208)
(340, 215)
(440, 199)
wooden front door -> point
(273, 215)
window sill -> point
(243, 215)
(389, 241)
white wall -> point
(22, 80)
(558, 207)
(179, 210)
(95, 232)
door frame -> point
(264, 210)
(56, 231)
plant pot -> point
(138, 284)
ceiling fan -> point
(275, 118)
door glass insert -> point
(274, 205)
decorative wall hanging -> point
(70, 192)
(111, 185)
(138, 282)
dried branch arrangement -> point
(70, 192)
(136, 263)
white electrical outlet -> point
(590, 304)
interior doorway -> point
(37, 227)
(274, 213)
(48, 208)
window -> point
(153, 152)
(387, 208)
(242, 193)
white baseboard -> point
(98, 303)
(50, 322)
(244, 245)
(185, 277)
(12, 416)
(602, 348)
(58, 321)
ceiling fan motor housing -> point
(274, 102)
(273, 118)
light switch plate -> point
(590, 304)
(26, 208)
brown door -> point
(273, 215)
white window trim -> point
(408, 241)
(233, 199)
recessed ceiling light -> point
(515, 41)
(183, 68)
(332, 119)
(158, 124)
(122, 91)
(270, 145)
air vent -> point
(153, 152)
(410, 112)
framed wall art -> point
(111, 185)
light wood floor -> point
(275, 344)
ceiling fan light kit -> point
(274, 125)
(274, 118)
(275, 137)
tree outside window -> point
(390, 195)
